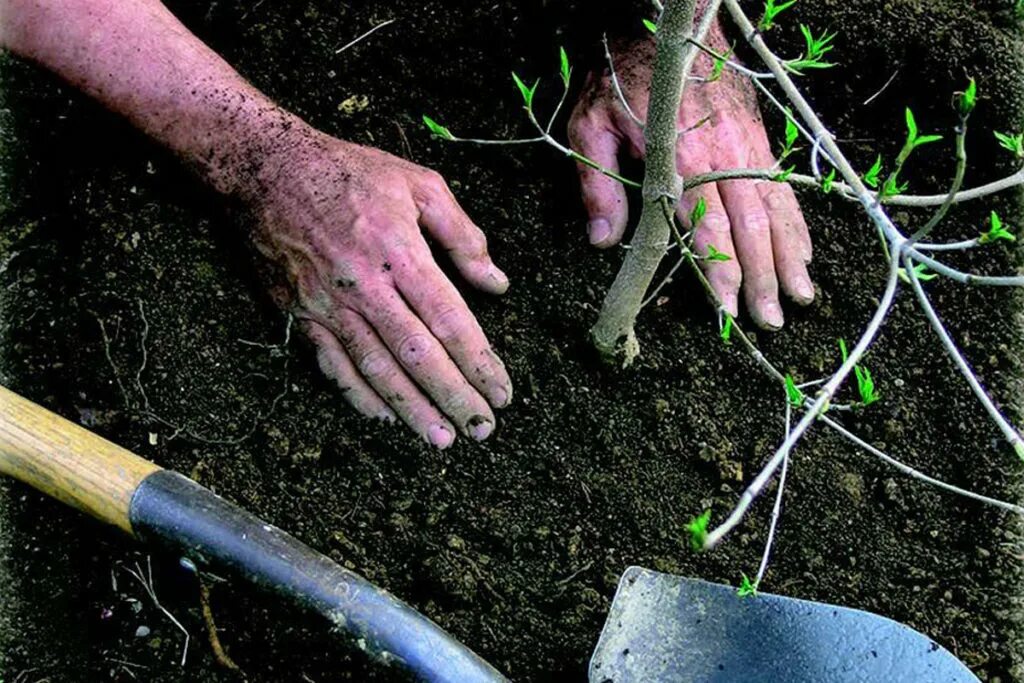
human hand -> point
(342, 224)
(758, 224)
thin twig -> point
(1009, 431)
(364, 35)
(615, 84)
(146, 580)
(917, 474)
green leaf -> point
(792, 134)
(996, 231)
(865, 386)
(911, 127)
(700, 209)
(1014, 143)
(698, 530)
(925, 139)
(871, 177)
(565, 69)
(892, 187)
(783, 175)
(726, 331)
(436, 129)
(747, 589)
(651, 26)
(968, 99)
(525, 91)
(920, 273)
(719, 67)
(715, 255)
(793, 393)
(771, 11)
(828, 181)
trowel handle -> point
(68, 462)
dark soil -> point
(514, 545)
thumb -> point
(593, 136)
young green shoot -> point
(1013, 143)
(715, 255)
(525, 91)
(772, 9)
(719, 65)
(914, 138)
(828, 181)
(871, 178)
(865, 385)
(747, 589)
(793, 393)
(967, 100)
(792, 135)
(996, 231)
(697, 528)
(698, 213)
(725, 334)
(651, 26)
(437, 130)
(921, 273)
(814, 52)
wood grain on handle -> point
(67, 462)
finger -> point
(594, 136)
(444, 219)
(790, 250)
(780, 202)
(338, 366)
(382, 372)
(713, 230)
(433, 297)
(428, 364)
(751, 232)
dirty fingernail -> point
(498, 277)
(771, 314)
(480, 427)
(600, 230)
(440, 436)
(499, 397)
(804, 290)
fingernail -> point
(600, 230)
(480, 427)
(804, 290)
(498, 277)
(499, 397)
(440, 436)
(387, 415)
(771, 314)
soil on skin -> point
(514, 545)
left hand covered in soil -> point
(757, 224)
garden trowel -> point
(668, 628)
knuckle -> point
(715, 221)
(416, 350)
(450, 325)
(777, 198)
(375, 365)
(726, 279)
(755, 222)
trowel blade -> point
(664, 628)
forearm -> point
(136, 58)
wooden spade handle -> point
(67, 462)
